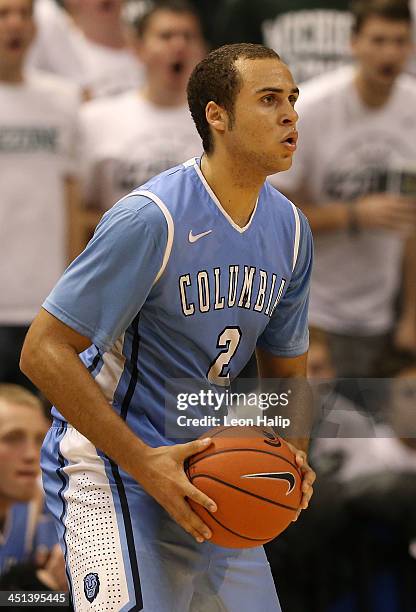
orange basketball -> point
(252, 476)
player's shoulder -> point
(136, 212)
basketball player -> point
(183, 278)
(24, 532)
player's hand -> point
(162, 475)
(387, 211)
(308, 478)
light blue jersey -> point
(170, 287)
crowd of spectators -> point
(92, 104)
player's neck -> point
(110, 36)
(236, 191)
(11, 74)
(160, 96)
(371, 94)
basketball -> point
(252, 476)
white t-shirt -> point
(107, 71)
(127, 140)
(347, 150)
(60, 47)
(38, 138)
(384, 451)
(56, 46)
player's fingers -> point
(300, 458)
(309, 476)
(199, 497)
(191, 448)
(191, 522)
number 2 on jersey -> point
(228, 341)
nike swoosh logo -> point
(193, 238)
(288, 476)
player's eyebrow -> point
(295, 90)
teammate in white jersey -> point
(358, 135)
(184, 278)
(131, 137)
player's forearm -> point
(58, 372)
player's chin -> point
(284, 163)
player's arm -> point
(50, 359)
(275, 368)
(94, 302)
(282, 355)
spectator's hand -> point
(405, 334)
(387, 211)
(308, 478)
(163, 477)
(53, 574)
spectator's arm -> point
(76, 240)
(332, 216)
(405, 337)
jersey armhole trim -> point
(297, 236)
(169, 223)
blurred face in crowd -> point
(382, 48)
(95, 9)
(170, 47)
(262, 132)
(319, 362)
(16, 32)
(22, 429)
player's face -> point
(170, 48)
(264, 130)
(382, 48)
(16, 31)
(22, 429)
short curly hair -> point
(217, 79)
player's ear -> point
(216, 117)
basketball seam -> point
(251, 450)
(228, 484)
(236, 533)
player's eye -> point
(269, 99)
(293, 100)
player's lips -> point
(290, 140)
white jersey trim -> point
(297, 236)
(216, 201)
(170, 224)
